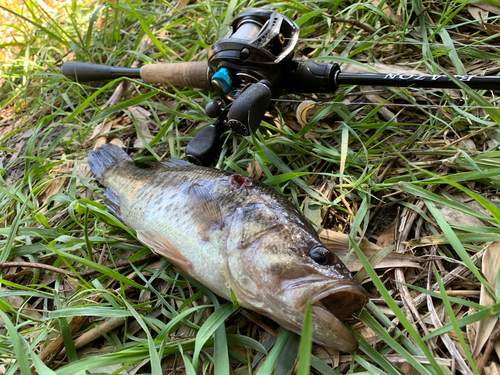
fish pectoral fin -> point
(112, 202)
(204, 209)
(163, 247)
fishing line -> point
(456, 44)
(406, 105)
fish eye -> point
(321, 255)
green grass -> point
(354, 172)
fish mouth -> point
(330, 308)
(342, 300)
(331, 302)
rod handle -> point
(186, 74)
(85, 72)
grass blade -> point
(402, 318)
(451, 316)
(455, 243)
(190, 370)
(269, 364)
(304, 363)
(209, 327)
(15, 337)
(221, 354)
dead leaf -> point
(290, 122)
(478, 13)
(388, 12)
(18, 147)
(55, 185)
(492, 369)
(489, 28)
(339, 244)
(455, 217)
(495, 9)
(118, 142)
(491, 265)
(374, 260)
(254, 169)
(101, 129)
(53, 188)
(106, 127)
(141, 115)
(16, 302)
(384, 111)
(369, 335)
(471, 329)
(468, 144)
(388, 236)
(82, 170)
(5, 129)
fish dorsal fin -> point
(169, 163)
(205, 209)
(154, 240)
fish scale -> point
(233, 233)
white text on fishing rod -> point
(425, 77)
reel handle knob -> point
(213, 109)
(201, 150)
(248, 110)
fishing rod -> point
(248, 67)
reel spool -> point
(258, 42)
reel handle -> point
(247, 111)
(243, 116)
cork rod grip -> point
(187, 74)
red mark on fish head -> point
(238, 181)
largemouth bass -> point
(231, 232)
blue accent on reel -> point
(223, 77)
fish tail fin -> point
(105, 157)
